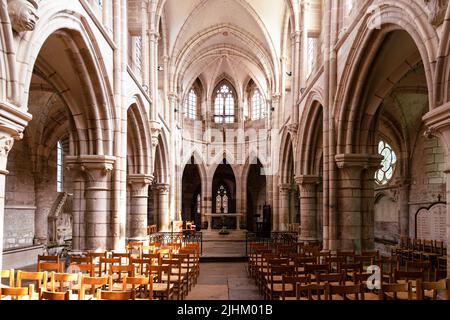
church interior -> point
(224, 149)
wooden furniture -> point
(162, 289)
(431, 290)
(395, 291)
(139, 286)
(93, 283)
(9, 276)
(114, 295)
(61, 296)
(38, 279)
(342, 292)
(17, 293)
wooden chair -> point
(274, 286)
(60, 296)
(342, 292)
(330, 278)
(117, 273)
(289, 285)
(114, 295)
(105, 265)
(175, 276)
(95, 260)
(124, 257)
(312, 292)
(62, 282)
(162, 289)
(141, 266)
(361, 279)
(431, 290)
(38, 279)
(94, 283)
(395, 291)
(139, 286)
(17, 293)
(44, 258)
(9, 276)
(84, 268)
(388, 266)
(134, 249)
(420, 266)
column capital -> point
(307, 179)
(307, 185)
(358, 161)
(285, 188)
(139, 184)
(96, 168)
(162, 188)
(437, 122)
(154, 36)
(155, 130)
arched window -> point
(257, 106)
(190, 106)
(59, 167)
(199, 203)
(222, 200)
(224, 105)
(386, 173)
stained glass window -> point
(222, 200)
(385, 174)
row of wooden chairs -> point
(358, 291)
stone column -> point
(7, 137)
(283, 211)
(41, 215)
(153, 38)
(368, 203)
(162, 194)
(296, 73)
(308, 207)
(438, 122)
(349, 196)
(145, 63)
(138, 205)
(403, 198)
(97, 218)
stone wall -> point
(428, 178)
(20, 204)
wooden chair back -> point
(289, 285)
(343, 291)
(314, 292)
(114, 295)
(56, 296)
(437, 287)
(61, 282)
(39, 279)
(17, 293)
(8, 275)
(395, 288)
(84, 268)
(93, 283)
(139, 284)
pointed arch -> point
(139, 143)
(390, 17)
(95, 115)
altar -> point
(213, 217)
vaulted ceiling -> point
(242, 39)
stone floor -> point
(224, 281)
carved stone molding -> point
(155, 130)
(436, 10)
(285, 189)
(139, 184)
(162, 188)
(23, 14)
(94, 167)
